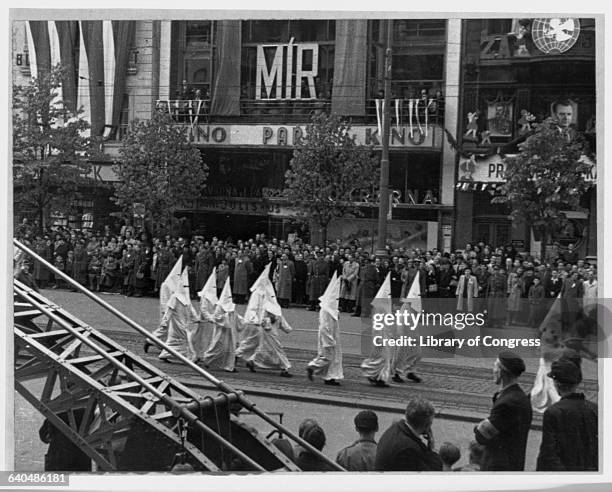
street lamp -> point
(383, 207)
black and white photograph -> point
(320, 242)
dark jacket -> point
(399, 449)
(569, 436)
(553, 288)
(505, 434)
(63, 454)
(307, 461)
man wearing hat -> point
(360, 455)
(504, 432)
(569, 427)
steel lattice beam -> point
(121, 395)
(111, 400)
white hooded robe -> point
(328, 362)
(378, 365)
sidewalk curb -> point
(443, 413)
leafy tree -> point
(545, 178)
(50, 153)
(159, 168)
(328, 171)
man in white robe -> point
(222, 349)
(405, 358)
(167, 288)
(328, 362)
(261, 291)
(270, 353)
(377, 367)
(544, 394)
(180, 319)
(208, 300)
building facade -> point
(245, 89)
(513, 71)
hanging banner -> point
(491, 169)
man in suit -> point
(504, 432)
(408, 445)
(569, 427)
(318, 278)
(552, 286)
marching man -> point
(180, 319)
(168, 287)
(222, 349)
(377, 367)
(328, 362)
(405, 358)
(208, 300)
(261, 291)
(270, 353)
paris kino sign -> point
(284, 77)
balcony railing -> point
(185, 110)
(282, 110)
(415, 111)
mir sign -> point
(283, 78)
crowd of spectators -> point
(513, 288)
(568, 442)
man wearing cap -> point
(569, 427)
(504, 432)
(360, 455)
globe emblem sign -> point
(555, 36)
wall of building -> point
(139, 85)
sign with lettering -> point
(102, 172)
(288, 136)
(491, 169)
(238, 206)
(291, 66)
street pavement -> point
(460, 388)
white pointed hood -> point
(263, 293)
(170, 284)
(413, 298)
(226, 302)
(329, 299)
(273, 308)
(382, 301)
(182, 291)
(209, 291)
(265, 275)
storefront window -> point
(245, 175)
(415, 178)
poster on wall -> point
(499, 118)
